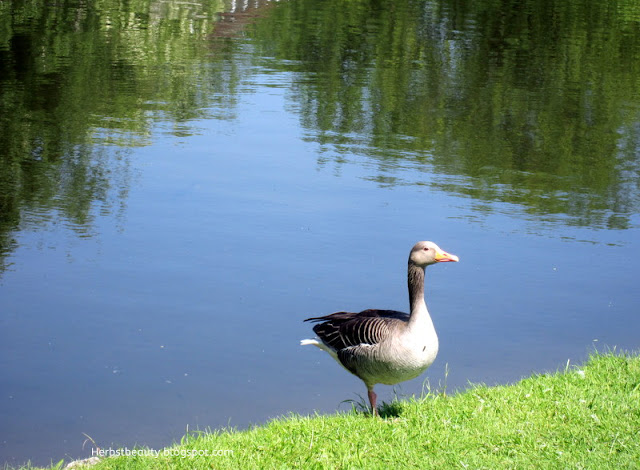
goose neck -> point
(415, 281)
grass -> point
(581, 417)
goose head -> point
(425, 253)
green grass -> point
(581, 417)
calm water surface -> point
(180, 189)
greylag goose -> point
(385, 346)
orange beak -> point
(443, 256)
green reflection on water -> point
(535, 103)
(76, 76)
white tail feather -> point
(321, 345)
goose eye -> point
(426, 249)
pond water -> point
(181, 184)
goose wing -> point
(342, 330)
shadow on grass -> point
(391, 409)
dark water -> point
(179, 189)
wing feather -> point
(342, 330)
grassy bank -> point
(581, 417)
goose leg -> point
(372, 399)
